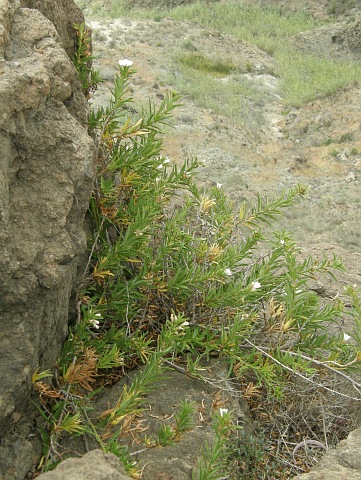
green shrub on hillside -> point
(174, 272)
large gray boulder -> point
(47, 166)
(95, 465)
(343, 462)
(63, 15)
(178, 461)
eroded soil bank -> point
(318, 145)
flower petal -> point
(125, 62)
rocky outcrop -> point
(177, 460)
(46, 175)
(180, 461)
(94, 465)
(339, 41)
(343, 462)
(63, 15)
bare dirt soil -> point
(318, 145)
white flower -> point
(228, 272)
(157, 180)
(255, 285)
(222, 411)
(346, 337)
(219, 185)
(282, 242)
(185, 324)
(125, 63)
(162, 165)
(94, 323)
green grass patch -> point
(254, 23)
(189, 45)
(263, 26)
(236, 97)
(197, 61)
(307, 77)
(303, 77)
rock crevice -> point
(46, 176)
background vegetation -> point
(176, 275)
(302, 76)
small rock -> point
(351, 177)
(95, 465)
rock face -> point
(63, 15)
(342, 462)
(177, 461)
(180, 460)
(94, 465)
(46, 175)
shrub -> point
(175, 272)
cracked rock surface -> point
(46, 176)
